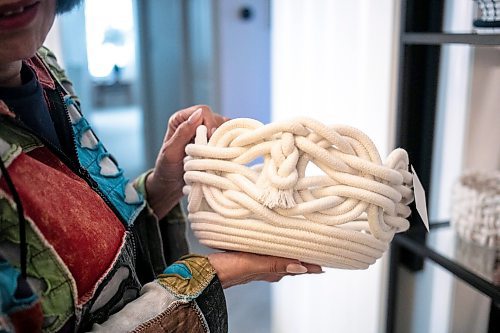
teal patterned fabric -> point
(91, 154)
(179, 269)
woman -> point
(81, 247)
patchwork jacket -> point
(96, 257)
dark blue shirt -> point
(29, 105)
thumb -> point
(184, 133)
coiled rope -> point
(344, 218)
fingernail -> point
(195, 116)
(296, 269)
(213, 131)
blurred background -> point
(135, 62)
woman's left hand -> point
(234, 268)
(164, 184)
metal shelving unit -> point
(419, 57)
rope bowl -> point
(345, 217)
(475, 209)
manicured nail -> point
(195, 116)
(296, 269)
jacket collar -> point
(42, 74)
(41, 71)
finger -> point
(174, 148)
(219, 120)
(209, 117)
(178, 118)
(312, 268)
(182, 115)
(212, 119)
(268, 277)
(270, 264)
(243, 280)
(273, 277)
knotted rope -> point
(344, 218)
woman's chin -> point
(13, 53)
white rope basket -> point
(475, 209)
(344, 218)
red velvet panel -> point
(73, 218)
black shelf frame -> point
(419, 59)
(434, 38)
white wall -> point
(334, 60)
(53, 41)
(243, 57)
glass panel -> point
(478, 259)
(467, 119)
(450, 127)
(439, 302)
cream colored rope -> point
(344, 218)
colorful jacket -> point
(96, 254)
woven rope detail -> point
(344, 218)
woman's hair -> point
(63, 6)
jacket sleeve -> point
(186, 297)
(160, 243)
(172, 227)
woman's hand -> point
(235, 268)
(164, 184)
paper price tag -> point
(420, 201)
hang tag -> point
(420, 202)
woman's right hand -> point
(164, 184)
